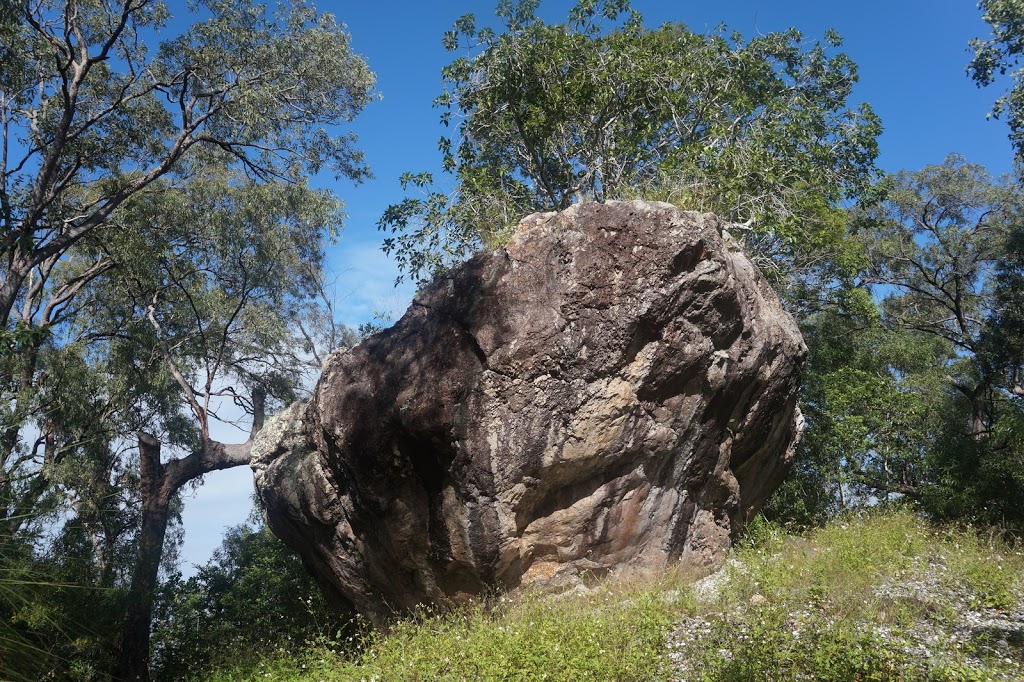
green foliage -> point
(998, 56)
(1004, 337)
(253, 597)
(113, 156)
(839, 652)
(54, 624)
(220, 306)
(940, 246)
(288, 74)
(918, 395)
(870, 397)
(601, 107)
(21, 656)
(849, 556)
(100, 131)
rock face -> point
(614, 390)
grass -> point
(603, 634)
(881, 596)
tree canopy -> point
(92, 116)
(600, 107)
(998, 56)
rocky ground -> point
(955, 635)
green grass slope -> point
(881, 596)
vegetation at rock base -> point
(871, 596)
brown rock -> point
(614, 390)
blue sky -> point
(912, 56)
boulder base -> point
(614, 390)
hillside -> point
(879, 596)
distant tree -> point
(919, 395)
(936, 244)
(872, 397)
(601, 107)
(252, 596)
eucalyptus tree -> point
(203, 320)
(92, 118)
(600, 107)
(193, 325)
(134, 296)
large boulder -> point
(614, 390)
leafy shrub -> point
(253, 599)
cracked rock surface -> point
(613, 390)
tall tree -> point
(156, 242)
(190, 328)
(210, 312)
(600, 107)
